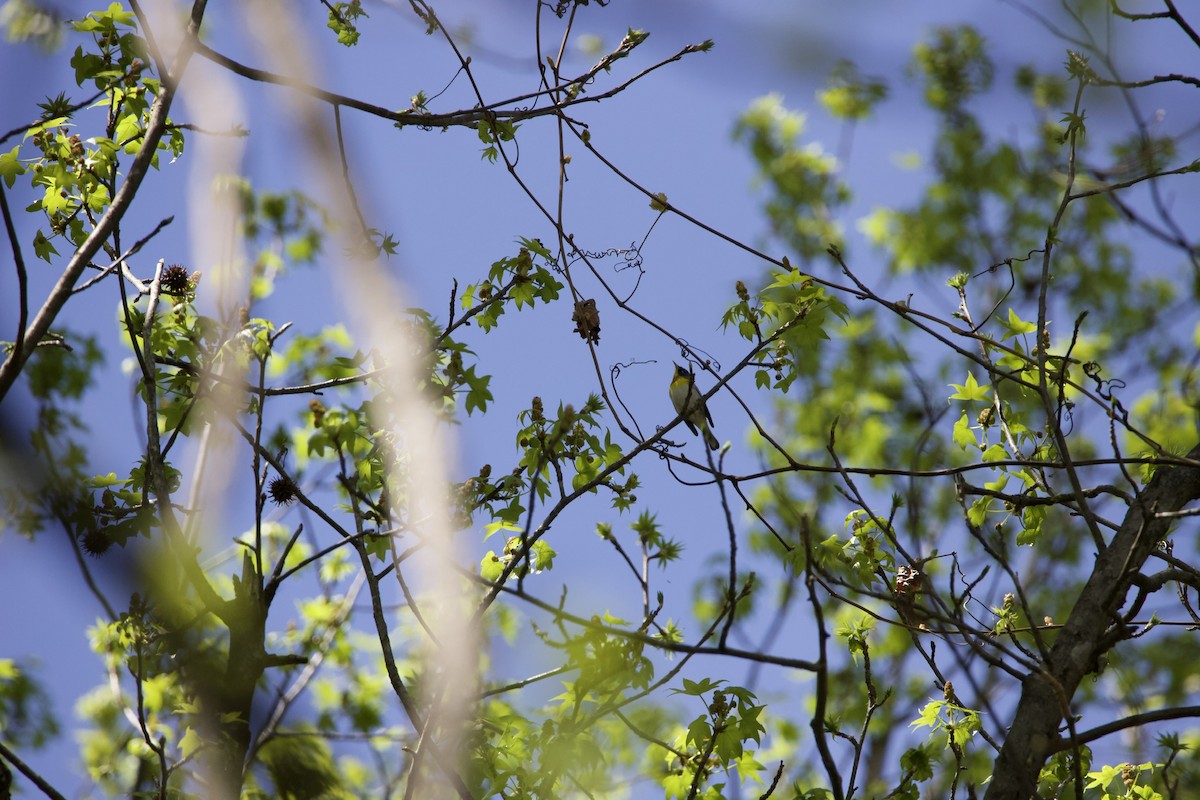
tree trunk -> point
(1093, 628)
(233, 692)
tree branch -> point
(1087, 635)
(134, 175)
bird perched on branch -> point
(684, 394)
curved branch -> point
(22, 280)
(27, 771)
(1116, 726)
(469, 117)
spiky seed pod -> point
(282, 491)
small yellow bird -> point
(684, 392)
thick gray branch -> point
(1088, 634)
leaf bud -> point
(318, 411)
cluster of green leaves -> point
(303, 765)
(121, 512)
(1004, 436)
(569, 439)
(58, 377)
(288, 227)
(138, 645)
(68, 171)
(523, 280)
(795, 320)
(24, 706)
(76, 172)
(584, 733)
(715, 740)
(863, 390)
(1128, 779)
(31, 21)
(447, 374)
(553, 449)
(550, 751)
(863, 558)
(850, 95)
(786, 319)
(607, 666)
(492, 131)
(959, 724)
(653, 540)
(342, 17)
(806, 193)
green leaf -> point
(697, 688)
(478, 395)
(43, 248)
(97, 198)
(995, 453)
(1032, 518)
(928, 716)
(541, 556)
(977, 513)
(190, 742)
(699, 731)
(129, 132)
(11, 166)
(971, 390)
(490, 566)
(101, 481)
(318, 443)
(87, 65)
(1015, 326)
(498, 526)
(963, 436)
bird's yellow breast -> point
(679, 391)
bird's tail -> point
(710, 440)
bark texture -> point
(1093, 628)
